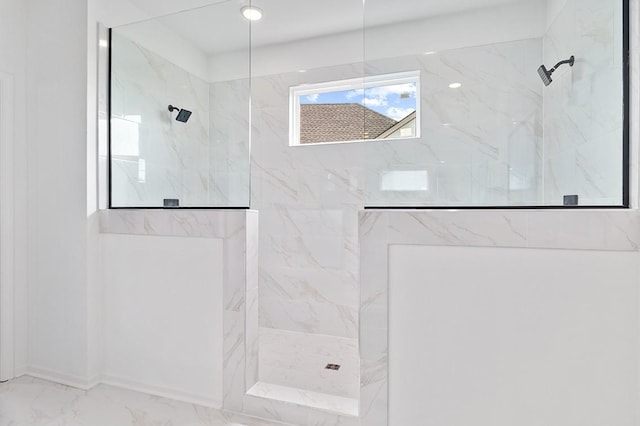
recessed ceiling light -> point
(251, 13)
(455, 85)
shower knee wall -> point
(163, 315)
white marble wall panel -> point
(159, 157)
(308, 199)
(229, 154)
(583, 115)
(309, 196)
(252, 305)
(481, 143)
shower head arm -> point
(569, 61)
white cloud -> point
(379, 96)
(354, 94)
(398, 113)
(398, 89)
(375, 102)
(313, 98)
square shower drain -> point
(334, 367)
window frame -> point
(360, 83)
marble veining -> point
(298, 360)
(32, 402)
(583, 117)
(607, 230)
(153, 155)
(308, 197)
(204, 162)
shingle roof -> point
(399, 125)
(340, 122)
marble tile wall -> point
(481, 143)
(583, 116)
(154, 156)
(309, 196)
(229, 159)
(204, 162)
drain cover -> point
(334, 367)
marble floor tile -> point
(33, 402)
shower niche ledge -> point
(306, 398)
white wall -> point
(554, 7)
(57, 195)
(163, 41)
(519, 21)
(13, 45)
(516, 336)
(163, 315)
(113, 13)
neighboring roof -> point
(399, 125)
(341, 122)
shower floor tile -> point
(299, 361)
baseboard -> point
(119, 382)
(20, 371)
(62, 378)
(174, 394)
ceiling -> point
(220, 27)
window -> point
(360, 109)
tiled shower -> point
(498, 140)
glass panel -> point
(506, 118)
(180, 110)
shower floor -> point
(292, 368)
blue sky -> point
(395, 101)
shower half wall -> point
(482, 144)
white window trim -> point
(297, 92)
